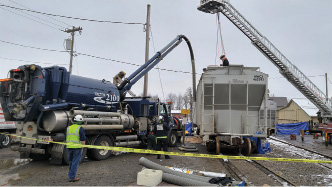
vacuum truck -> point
(42, 102)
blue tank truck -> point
(42, 102)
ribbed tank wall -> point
(229, 99)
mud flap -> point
(56, 153)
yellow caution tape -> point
(133, 150)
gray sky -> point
(300, 29)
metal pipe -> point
(102, 120)
(102, 127)
(94, 113)
(149, 164)
(121, 144)
(130, 137)
(183, 181)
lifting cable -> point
(219, 34)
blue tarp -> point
(258, 141)
(292, 128)
(189, 128)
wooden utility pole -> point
(72, 31)
(147, 39)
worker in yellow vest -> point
(75, 138)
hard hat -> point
(78, 118)
(222, 56)
(122, 72)
(161, 117)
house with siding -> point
(297, 110)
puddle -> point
(6, 165)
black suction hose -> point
(192, 65)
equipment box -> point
(149, 177)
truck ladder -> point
(286, 68)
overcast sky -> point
(300, 29)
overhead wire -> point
(45, 15)
(154, 49)
(94, 56)
(69, 17)
(29, 61)
(32, 19)
(53, 50)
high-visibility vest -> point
(73, 136)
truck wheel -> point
(102, 154)
(65, 159)
(5, 140)
(172, 139)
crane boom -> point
(286, 68)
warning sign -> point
(184, 111)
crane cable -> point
(223, 52)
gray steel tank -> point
(228, 103)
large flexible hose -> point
(182, 181)
(149, 164)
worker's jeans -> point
(74, 157)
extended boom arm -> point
(145, 68)
(286, 68)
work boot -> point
(167, 157)
(74, 180)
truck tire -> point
(65, 159)
(5, 140)
(102, 154)
(172, 140)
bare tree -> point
(186, 99)
(171, 97)
(179, 101)
(189, 101)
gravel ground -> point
(301, 174)
(122, 170)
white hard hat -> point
(78, 118)
(161, 117)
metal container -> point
(228, 102)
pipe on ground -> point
(149, 164)
(182, 181)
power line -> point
(53, 50)
(31, 19)
(154, 50)
(69, 17)
(28, 61)
(93, 56)
(46, 15)
(307, 76)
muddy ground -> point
(118, 170)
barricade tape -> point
(134, 150)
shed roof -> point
(306, 106)
(281, 101)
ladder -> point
(286, 68)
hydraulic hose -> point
(192, 65)
(149, 164)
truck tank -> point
(53, 88)
(228, 103)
